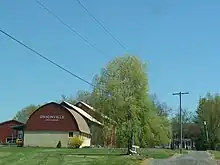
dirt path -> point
(192, 158)
(218, 162)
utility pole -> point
(181, 124)
(206, 131)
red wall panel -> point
(51, 117)
(5, 130)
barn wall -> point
(5, 130)
(97, 134)
(59, 119)
(45, 139)
(50, 139)
(86, 142)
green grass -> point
(216, 154)
(86, 156)
(157, 153)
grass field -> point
(44, 156)
(216, 154)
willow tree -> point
(121, 92)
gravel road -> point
(192, 158)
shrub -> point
(59, 144)
(75, 142)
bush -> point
(75, 142)
(59, 144)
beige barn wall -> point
(49, 139)
(86, 142)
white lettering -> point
(51, 117)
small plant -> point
(75, 142)
(59, 144)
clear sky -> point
(178, 38)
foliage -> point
(120, 88)
(188, 126)
(24, 114)
(84, 96)
(162, 108)
(208, 111)
(121, 92)
(68, 99)
(75, 141)
(59, 145)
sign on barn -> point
(52, 117)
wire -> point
(45, 58)
(72, 30)
(68, 26)
(101, 25)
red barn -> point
(6, 133)
(52, 123)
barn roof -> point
(93, 109)
(81, 112)
(82, 124)
(87, 105)
(9, 121)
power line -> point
(69, 27)
(102, 25)
(45, 58)
(72, 30)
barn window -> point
(70, 134)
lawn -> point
(216, 154)
(47, 156)
(157, 153)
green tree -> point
(24, 114)
(81, 95)
(208, 111)
(161, 107)
(121, 92)
(187, 120)
(68, 99)
(84, 96)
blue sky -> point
(178, 39)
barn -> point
(55, 122)
(96, 127)
(8, 135)
(97, 133)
